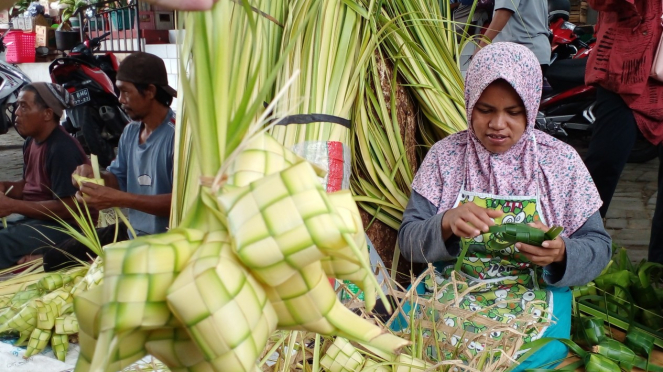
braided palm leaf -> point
(176, 349)
(222, 306)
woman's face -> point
(499, 117)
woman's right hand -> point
(468, 221)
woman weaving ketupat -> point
(501, 170)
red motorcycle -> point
(569, 104)
(569, 107)
(97, 119)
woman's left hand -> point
(549, 252)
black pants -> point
(24, 236)
(68, 252)
(614, 135)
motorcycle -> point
(96, 119)
(569, 107)
(12, 79)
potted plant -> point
(66, 39)
(71, 11)
(21, 6)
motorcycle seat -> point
(569, 70)
(567, 73)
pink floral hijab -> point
(537, 163)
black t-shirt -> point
(48, 166)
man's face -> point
(30, 118)
(133, 103)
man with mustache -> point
(141, 176)
(50, 155)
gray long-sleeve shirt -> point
(588, 250)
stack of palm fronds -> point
(422, 39)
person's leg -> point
(69, 252)
(27, 237)
(656, 237)
(613, 137)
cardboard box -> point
(31, 23)
(164, 20)
(19, 23)
(45, 36)
(155, 36)
(4, 16)
(146, 20)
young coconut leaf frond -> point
(328, 38)
(424, 42)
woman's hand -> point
(549, 252)
(468, 221)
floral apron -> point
(511, 284)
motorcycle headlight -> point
(569, 26)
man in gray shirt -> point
(523, 22)
(141, 176)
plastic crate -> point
(20, 46)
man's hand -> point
(550, 251)
(84, 170)
(99, 197)
(184, 5)
(468, 221)
(6, 205)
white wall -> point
(167, 52)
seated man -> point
(141, 176)
(50, 155)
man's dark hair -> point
(39, 101)
(161, 96)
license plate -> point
(81, 96)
